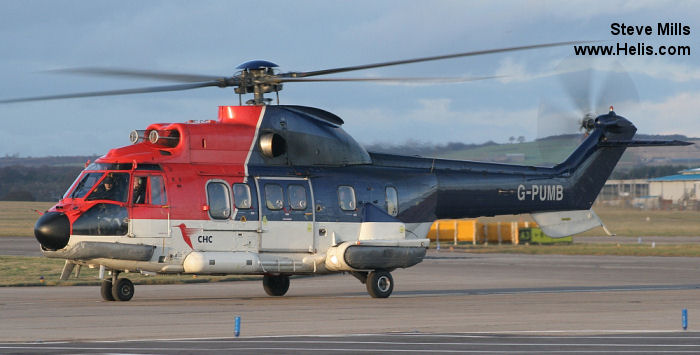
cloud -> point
(436, 121)
(674, 115)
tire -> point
(380, 284)
(276, 285)
(106, 290)
(123, 290)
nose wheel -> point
(117, 289)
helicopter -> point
(282, 190)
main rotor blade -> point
(425, 59)
(116, 92)
(419, 80)
(138, 74)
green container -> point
(536, 236)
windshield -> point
(85, 185)
(115, 187)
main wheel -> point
(380, 284)
(276, 285)
(106, 290)
(123, 290)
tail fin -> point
(593, 162)
(588, 168)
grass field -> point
(17, 218)
(28, 271)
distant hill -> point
(78, 160)
(549, 151)
(38, 179)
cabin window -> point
(219, 200)
(274, 197)
(241, 196)
(85, 185)
(158, 196)
(297, 197)
(114, 186)
(392, 201)
(346, 198)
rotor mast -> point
(257, 77)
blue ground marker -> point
(684, 318)
(237, 327)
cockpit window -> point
(113, 187)
(85, 185)
(158, 196)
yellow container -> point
(498, 232)
(470, 230)
(449, 230)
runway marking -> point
(359, 349)
(462, 343)
(487, 334)
(485, 342)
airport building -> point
(674, 191)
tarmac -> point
(450, 302)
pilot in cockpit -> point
(105, 191)
(113, 187)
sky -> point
(213, 37)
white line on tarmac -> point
(539, 351)
(595, 333)
(458, 343)
(571, 344)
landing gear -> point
(379, 284)
(117, 289)
(106, 290)
(123, 290)
(276, 285)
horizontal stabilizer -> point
(642, 143)
(566, 223)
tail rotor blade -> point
(617, 90)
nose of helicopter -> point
(52, 230)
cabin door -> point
(286, 214)
(149, 209)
